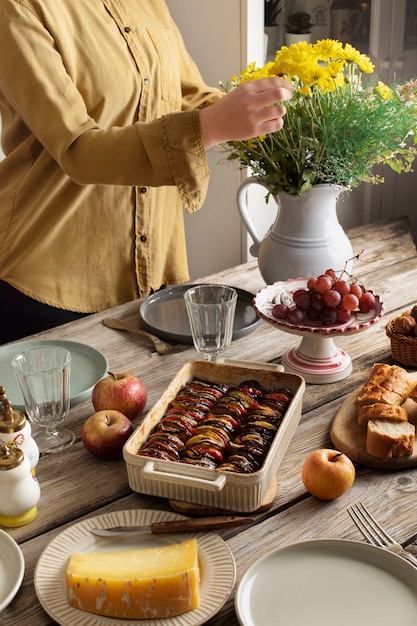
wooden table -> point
(75, 485)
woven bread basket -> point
(403, 347)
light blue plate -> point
(88, 366)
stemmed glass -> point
(43, 374)
(211, 312)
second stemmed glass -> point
(211, 312)
(43, 374)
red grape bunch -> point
(327, 299)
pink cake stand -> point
(317, 358)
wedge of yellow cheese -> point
(136, 584)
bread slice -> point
(386, 439)
(413, 393)
(398, 380)
(381, 411)
(375, 394)
(386, 384)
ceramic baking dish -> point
(201, 485)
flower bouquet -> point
(338, 126)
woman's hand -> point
(252, 109)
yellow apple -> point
(327, 474)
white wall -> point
(223, 36)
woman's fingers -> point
(252, 109)
(274, 89)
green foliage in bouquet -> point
(337, 128)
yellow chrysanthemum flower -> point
(305, 91)
(339, 80)
(253, 73)
(350, 54)
(365, 64)
(336, 129)
(384, 91)
(326, 83)
(310, 74)
(327, 49)
(292, 60)
(335, 68)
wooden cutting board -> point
(350, 437)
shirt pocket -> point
(166, 47)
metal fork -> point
(375, 534)
(160, 346)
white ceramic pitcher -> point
(306, 237)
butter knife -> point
(203, 524)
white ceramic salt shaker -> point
(19, 488)
(15, 430)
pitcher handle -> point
(242, 204)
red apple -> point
(104, 434)
(122, 392)
(328, 474)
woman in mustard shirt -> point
(106, 123)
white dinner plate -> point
(88, 366)
(217, 566)
(12, 569)
(328, 583)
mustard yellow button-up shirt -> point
(98, 100)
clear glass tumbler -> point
(211, 312)
(43, 374)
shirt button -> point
(143, 189)
(127, 29)
(143, 238)
(146, 81)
